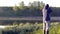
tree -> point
(15, 8)
(21, 5)
(36, 3)
(30, 6)
(41, 5)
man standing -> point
(46, 18)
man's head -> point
(47, 6)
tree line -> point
(33, 9)
(35, 4)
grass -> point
(29, 28)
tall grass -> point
(29, 28)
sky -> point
(53, 3)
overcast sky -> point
(54, 3)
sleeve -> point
(49, 10)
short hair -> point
(47, 6)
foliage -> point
(32, 29)
(15, 8)
(21, 5)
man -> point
(46, 18)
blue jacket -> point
(48, 14)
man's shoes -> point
(47, 32)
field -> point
(29, 28)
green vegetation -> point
(31, 29)
(33, 9)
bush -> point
(32, 29)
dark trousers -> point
(46, 32)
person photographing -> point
(46, 18)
